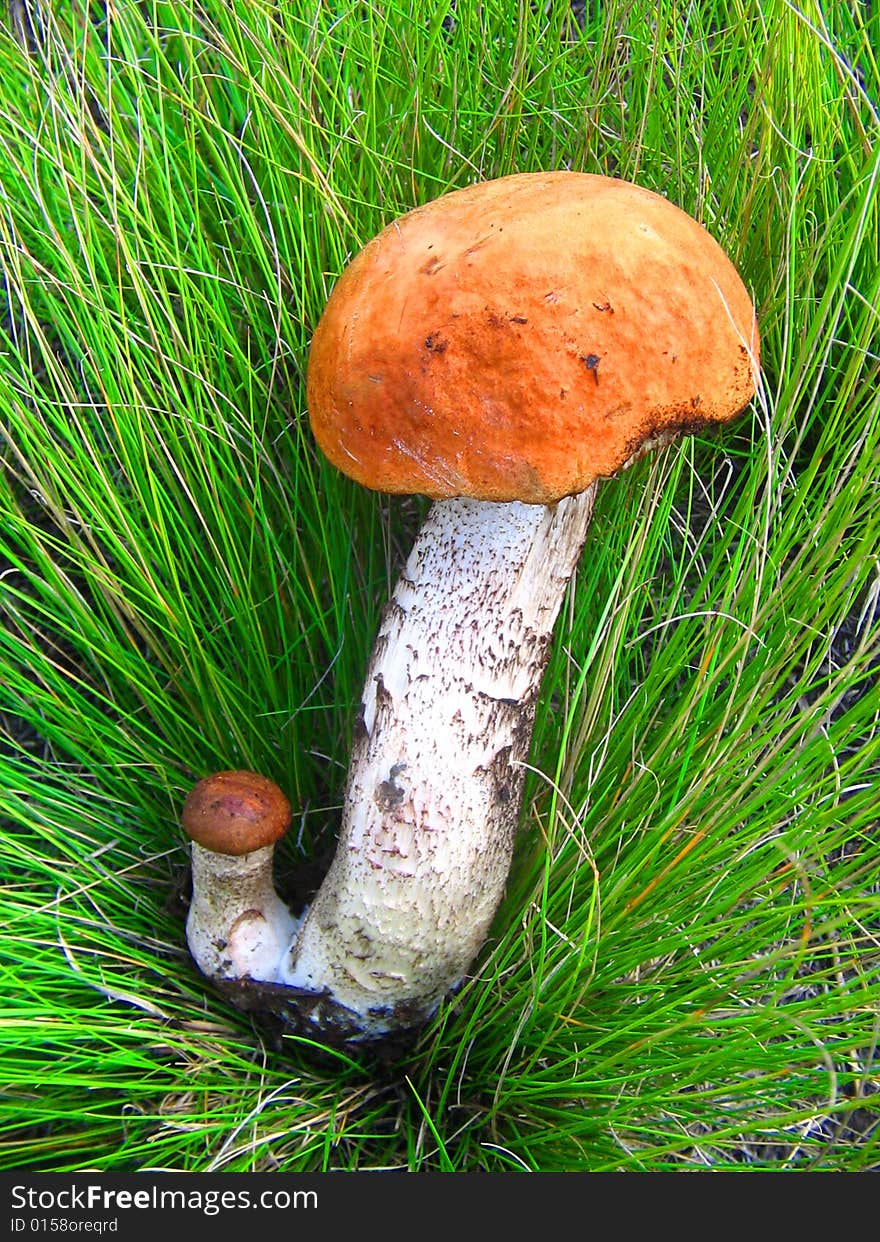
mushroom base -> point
(279, 1011)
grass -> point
(685, 972)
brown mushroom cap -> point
(520, 338)
(235, 813)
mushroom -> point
(237, 926)
(498, 350)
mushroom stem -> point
(437, 769)
(238, 926)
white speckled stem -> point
(435, 783)
(238, 927)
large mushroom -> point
(499, 350)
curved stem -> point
(435, 783)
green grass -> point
(686, 970)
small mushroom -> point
(469, 354)
(237, 927)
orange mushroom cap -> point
(520, 338)
(235, 813)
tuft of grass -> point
(684, 972)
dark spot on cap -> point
(432, 266)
